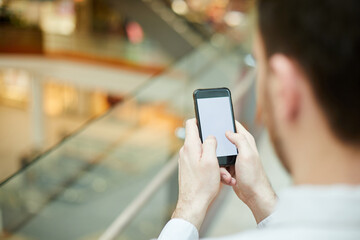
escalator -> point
(115, 178)
(176, 35)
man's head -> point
(309, 70)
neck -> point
(318, 157)
(331, 164)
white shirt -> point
(303, 212)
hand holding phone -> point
(215, 116)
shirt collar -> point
(313, 205)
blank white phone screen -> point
(215, 119)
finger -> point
(179, 164)
(181, 152)
(191, 130)
(239, 140)
(231, 170)
(241, 129)
(233, 182)
(192, 141)
(209, 150)
(246, 151)
(226, 177)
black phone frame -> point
(213, 93)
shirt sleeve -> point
(265, 221)
(179, 229)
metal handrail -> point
(136, 205)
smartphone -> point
(215, 115)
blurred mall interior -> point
(93, 97)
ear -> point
(287, 93)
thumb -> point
(209, 149)
(238, 139)
(240, 142)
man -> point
(308, 63)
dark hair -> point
(323, 36)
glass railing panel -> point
(149, 221)
(153, 216)
(78, 188)
(90, 178)
(228, 70)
